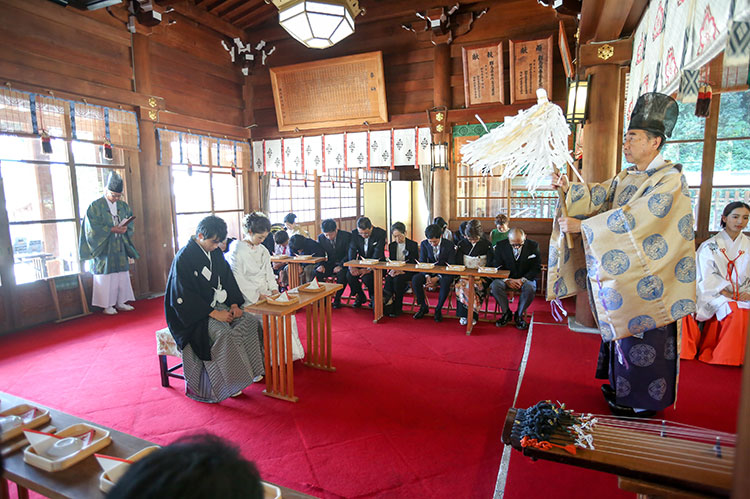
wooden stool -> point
(165, 345)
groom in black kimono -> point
(222, 348)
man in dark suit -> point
(402, 249)
(301, 245)
(435, 249)
(522, 258)
(367, 242)
(336, 243)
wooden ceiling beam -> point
(603, 20)
(224, 8)
(249, 6)
(256, 16)
(197, 14)
(259, 19)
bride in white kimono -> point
(723, 283)
(251, 266)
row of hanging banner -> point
(676, 38)
(29, 113)
(344, 151)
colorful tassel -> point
(703, 105)
(46, 143)
(108, 150)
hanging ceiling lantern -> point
(318, 24)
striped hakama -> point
(237, 358)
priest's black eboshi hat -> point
(655, 113)
(114, 182)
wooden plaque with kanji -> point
(530, 68)
(330, 93)
(483, 74)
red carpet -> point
(415, 409)
(561, 367)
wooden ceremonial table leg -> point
(377, 302)
(470, 313)
(281, 372)
(293, 268)
(321, 329)
(288, 359)
(22, 492)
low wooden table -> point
(82, 479)
(295, 266)
(277, 320)
(378, 268)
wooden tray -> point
(303, 257)
(39, 420)
(369, 261)
(487, 270)
(270, 491)
(395, 263)
(101, 440)
(105, 484)
(306, 288)
(425, 266)
(273, 300)
(456, 268)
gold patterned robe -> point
(637, 255)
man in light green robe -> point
(634, 253)
(105, 240)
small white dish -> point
(11, 422)
(64, 447)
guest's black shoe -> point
(438, 316)
(336, 304)
(420, 313)
(358, 301)
(521, 322)
(504, 319)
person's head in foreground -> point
(194, 467)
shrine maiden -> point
(723, 293)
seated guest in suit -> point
(474, 251)
(459, 234)
(501, 230)
(367, 242)
(281, 248)
(301, 245)
(435, 249)
(292, 228)
(401, 249)
(440, 222)
(336, 243)
(222, 347)
(522, 258)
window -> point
(338, 195)
(373, 175)
(686, 147)
(731, 177)
(44, 212)
(292, 193)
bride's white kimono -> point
(251, 266)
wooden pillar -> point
(441, 96)
(155, 181)
(707, 169)
(251, 179)
(601, 145)
(316, 191)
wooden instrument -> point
(684, 457)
